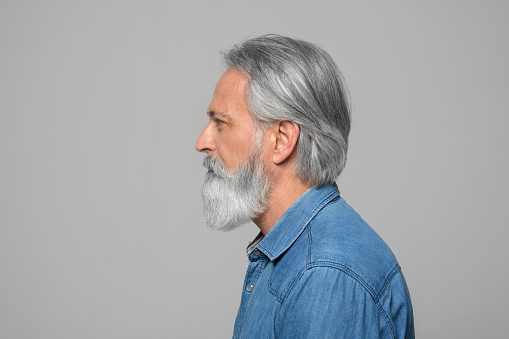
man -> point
(276, 141)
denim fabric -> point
(322, 272)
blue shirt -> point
(322, 272)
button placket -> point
(257, 265)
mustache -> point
(214, 166)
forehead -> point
(230, 95)
(231, 80)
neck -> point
(283, 195)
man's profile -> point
(276, 141)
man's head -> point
(236, 184)
(279, 110)
(298, 81)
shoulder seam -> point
(384, 288)
(387, 281)
(331, 264)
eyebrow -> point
(211, 113)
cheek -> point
(234, 150)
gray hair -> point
(298, 81)
(231, 199)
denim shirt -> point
(322, 272)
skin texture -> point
(230, 129)
(229, 134)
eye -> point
(219, 122)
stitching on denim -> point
(276, 318)
(266, 251)
(387, 281)
(329, 264)
(351, 273)
(310, 241)
(384, 288)
(347, 270)
(387, 319)
(275, 294)
(326, 200)
(355, 276)
(260, 270)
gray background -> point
(101, 102)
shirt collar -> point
(252, 245)
(293, 222)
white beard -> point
(231, 199)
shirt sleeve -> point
(328, 303)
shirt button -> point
(256, 252)
(249, 288)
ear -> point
(286, 134)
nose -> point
(205, 143)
